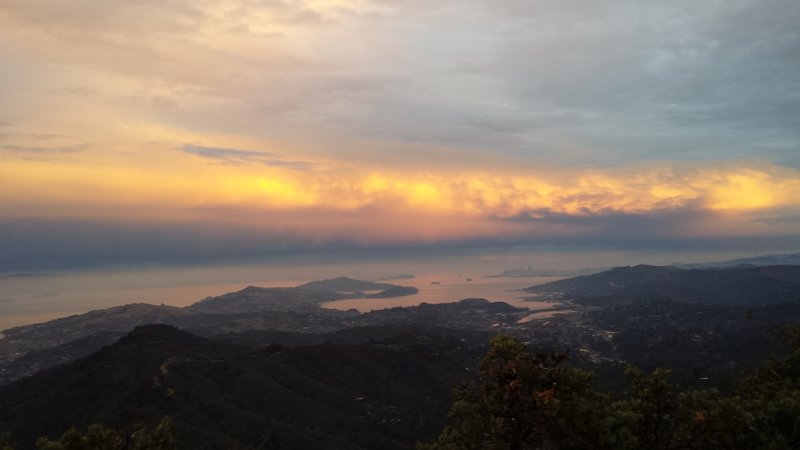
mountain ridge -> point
(736, 285)
(224, 395)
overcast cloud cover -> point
(345, 124)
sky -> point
(190, 130)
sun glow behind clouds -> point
(752, 190)
(190, 185)
(411, 121)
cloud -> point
(259, 184)
(585, 83)
(235, 156)
(413, 122)
(44, 244)
(33, 136)
(39, 150)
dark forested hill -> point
(355, 288)
(379, 393)
(738, 285)
(345, 284)
(765, 260)
(255, 299)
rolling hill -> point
(385, 393)
(738, 285)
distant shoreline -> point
(536, 273)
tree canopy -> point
(98, 437)
(521, 400)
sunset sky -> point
(190, 130)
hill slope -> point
(739, 285)
(345, 284)
(383, 394)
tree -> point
(98, 437)
(524, 401)
(6, 443)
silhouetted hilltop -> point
(738, 285)
(44, 357)
(472, 312)
(345, 284)
(394, 291)
(119, 319)
(310, 295)
(28, 349)
(114, 384)
(255, 299)
(380, 394)
(765, 260)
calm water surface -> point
(31, 299)
(28, 299)
(451, 287)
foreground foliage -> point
(98, 437)
(520, 400)
(383, 395)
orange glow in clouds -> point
(39, 188)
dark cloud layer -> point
(41, 149)
(236, 156)
(57, 244)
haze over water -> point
(32, 299)
(451, 287)
(200, 132)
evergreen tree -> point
(98, 437)
(6, 443)
(524, 401)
